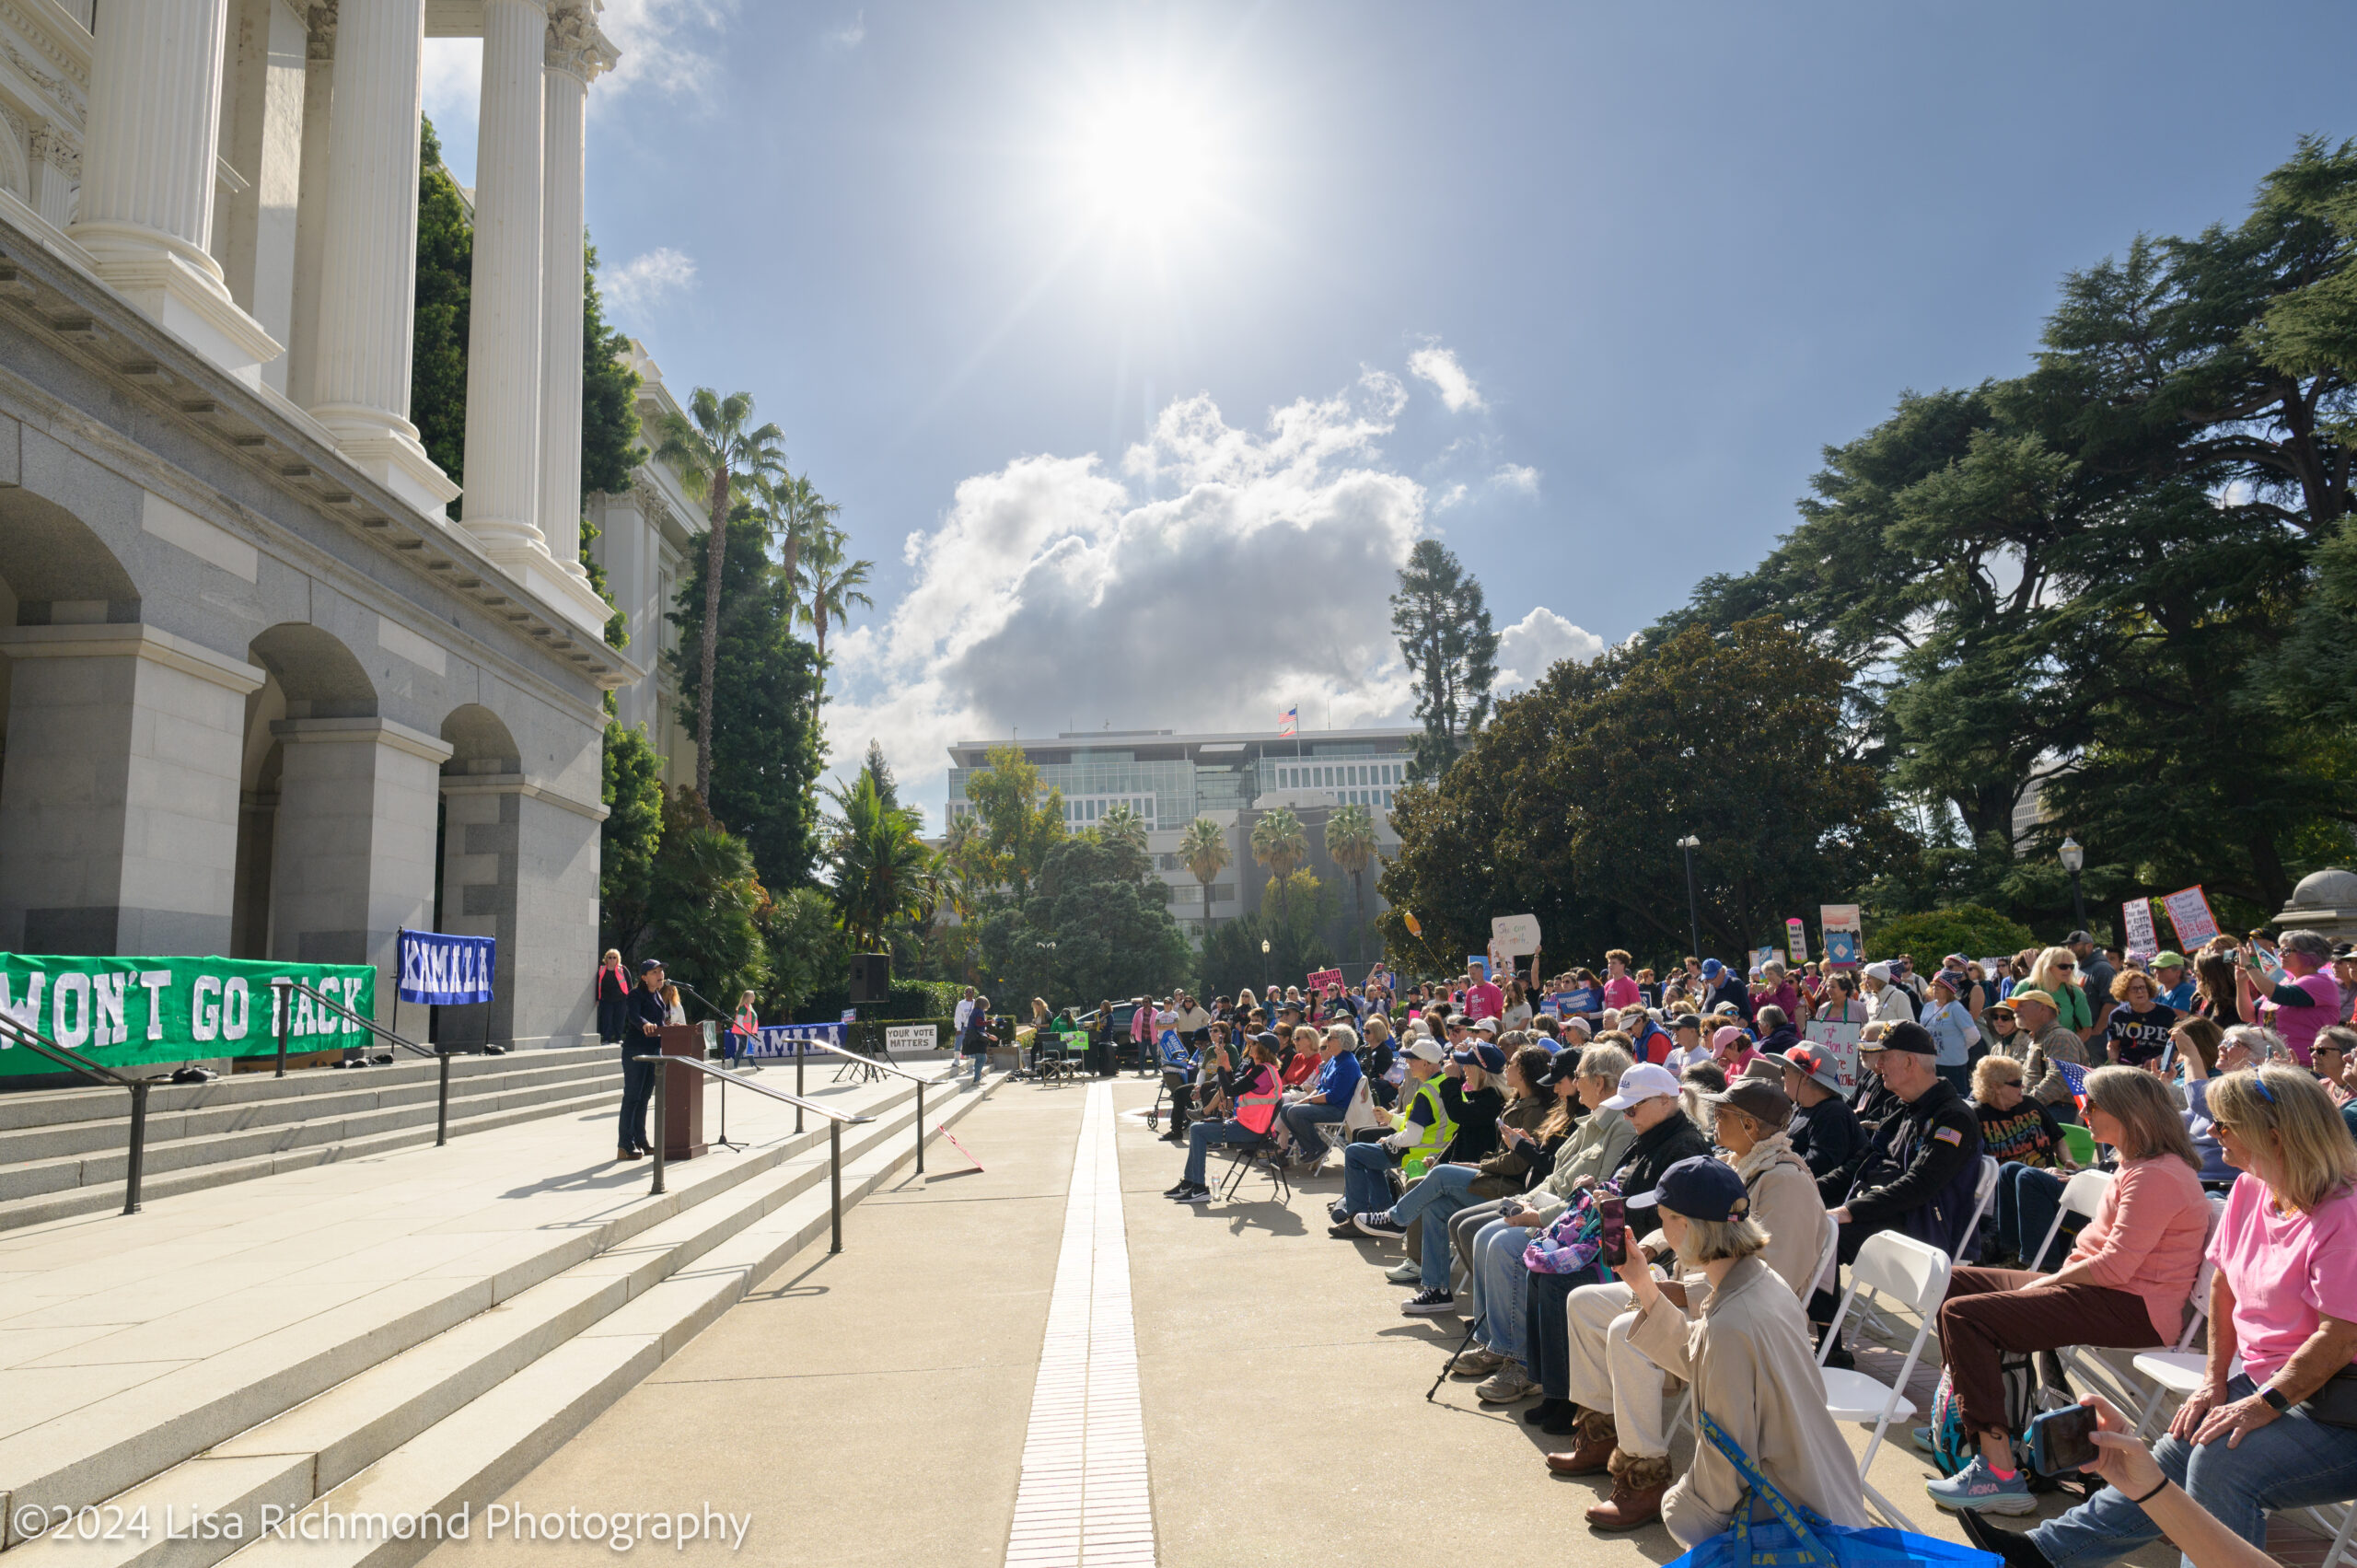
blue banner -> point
(785, 1039)
(447, 971)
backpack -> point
(1954, 1446)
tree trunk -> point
(715, 551)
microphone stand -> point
(724, 1140)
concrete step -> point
(401, 1130)
(464, 1412)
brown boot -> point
(1637, 1487)
(1593, 1450)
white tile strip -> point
(1083, 1501)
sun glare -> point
(1145, 163)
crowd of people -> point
(1502, 1130)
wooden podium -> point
(682, 1129)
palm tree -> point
(1123, 825)
(1350, 839)
(835, 585)
(878, 863)
(1279, 843)
(711, 455)
(1202, 849)
(798, 514)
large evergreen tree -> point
(1451, 648)
(445, 260)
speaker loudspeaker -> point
(871, 976)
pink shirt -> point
(1622, 991)
(2285, 1270)
(2146, 1238)
(2298, 1026)
(1484, 999)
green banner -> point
(120, 1011)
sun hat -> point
(1758, 1098)
(1644, 1081)
(2176, 960)
(2032, 993)
(1817, 1063)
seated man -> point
(1328, 1099)
(1919, 1171)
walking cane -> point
(1471, 1325)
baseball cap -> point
(1726, 1036)
(1579, 1021)
(1758, 1098)
(1486, 1025)
(2078, 936)
(648, 966)
(1699, 1188)
(1724, 1010)
(2176, 960)
(1713, 967)
(1878, 971)
(1817, 1063)
(1644, 1081)
(1491, 1059)
(2032, 993)
(1687, 1021)
(1912, 1039)
(1422, 1049)
(1561, 1068)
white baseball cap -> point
(1646, 1080)
(1424, 1049)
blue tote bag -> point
(1799, 1538)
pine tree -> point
(1452, 651)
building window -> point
(1222, 892)
(1187, 893)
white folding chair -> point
(1912, 1274)
(1983, 1195)
(2082, 1195)
(2341, 1538)
(2178, 1370)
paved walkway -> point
(893, 1405)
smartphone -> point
(1612, 1239)
(2060, 1441)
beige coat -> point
(1749, 1357)
(1786, 1203)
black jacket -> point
(1826, 1135)
(1913, 1163)
(646, 1007)
(1656, 1150)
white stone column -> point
(360, 380)
(577, 54)
(504, 364)
(147, 174)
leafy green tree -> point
(1350, 844)
(1451, 649)
(765, 757)
(632, 789)
(446, 253)
(807, 955)
(1202, 849)
(1123, 825)
(712, 450)
(1280, 843)
(1974, 930)
(705, 898)
(1232, 957)
(878, 866)
(831, 584)
(1106, 919)
(1021, 820)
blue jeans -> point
(1301, 1120)
(2028, 1201)
(981, 1059)
(1445, 1189)
(2291, 1462)
(1366, 1180)
(1203, 1136)
(1499, 1281)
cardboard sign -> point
(1320, 979)
(1841, 1042)
(910, 1037)
(2190, 912)
(1844, 935)
(1797, 939)
(1762, 956)
(2136, 921)
(1515, 935)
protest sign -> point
(1513, 936)
(1480, 964)
(900, 1038)
(444, 970)
(787, 1039)
(1585, 1001)
(1762, 956)
(2190, 911)
(1841, 1042)
(124, 1011)
(1320, 979)
(1796, 939)
(2136, 922)
(1844, 936)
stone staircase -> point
(443, 1388)
(63, 1151)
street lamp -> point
(1264, 964)
(2074, 857)
(1690, 844)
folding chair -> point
(1983, 1195)
(1263, 1148)
(1912, 1274)
(2082, 1195)
(2178, 1370)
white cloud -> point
(1219, 576)
(852, 34)
(1454, 496)
(454, 91)
(1536, 642)
(1518, 477)
(1438, 365)
(665, 44)
(642, 282)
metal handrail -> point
(289, 985)
(836, 1121)
(100, 1073)
(862, 1057)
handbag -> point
(1571, 1240)
(1801, 1537)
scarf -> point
(1764, 1154)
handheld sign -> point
(2189, 911)
(1515, 935)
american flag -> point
(2074, 1078)
(1289, 722)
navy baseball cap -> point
(1490, 1058)
(648, 966)
(1699, 1188)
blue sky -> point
(1580, 288)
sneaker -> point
(1976, 1489)
(1510, 1384)
(1922, 1436)
(1337, 1214)
(1476, 1361)
(1378, 1225)
(1405, 1273)
(1429, 1303)
(1177, 1191)
(2013, 1549)
(1196, 1195)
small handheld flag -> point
(2074, 1078)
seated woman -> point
(1251, 1092)
(1382, 1051)
(1748, 1355)
(1598, 1146)
(1617, 1389)
(2023, 1137)
(2282, 1326)
(1526, 1144)
(1447, 1185)
(2201, 1055)
(1420, 1131)
(2126, 1284)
